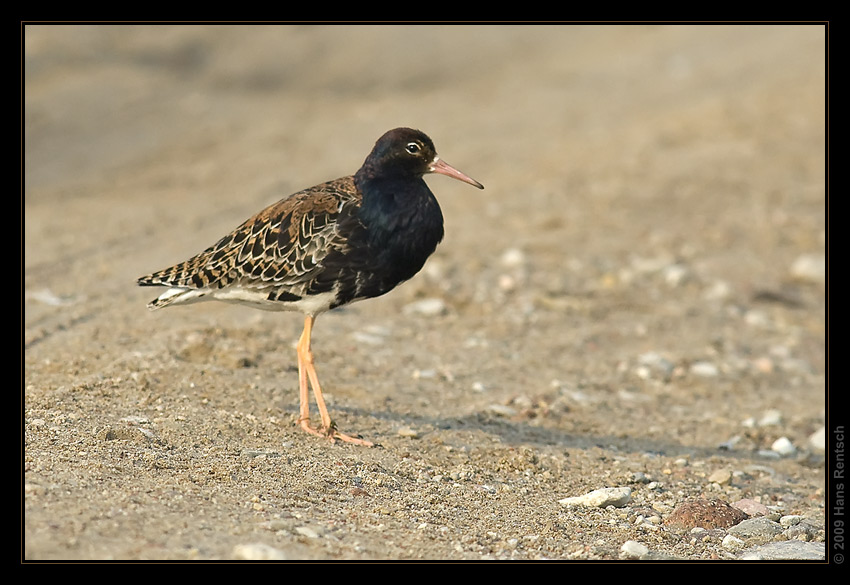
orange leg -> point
(307, 375)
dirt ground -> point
(636, 299)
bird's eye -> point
(413, 148)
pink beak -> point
(439, 166)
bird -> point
(345, 240)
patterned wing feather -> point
(273, 256)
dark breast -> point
(389, 238)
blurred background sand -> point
(649, 189)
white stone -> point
(258, 552)
(502, 410)
(307, 531)
(427, 307)
(721, 477)
(611, 496)
(771, 417)
(704, 369)
(717, 291)
(790, 520)
(634, 549)
(810, 267)
(675, 274)
(513, 257)
(368, 338)
(783, 446)
(731, 542)
(817, 440)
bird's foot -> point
(332, 434)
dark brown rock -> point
(705, 514)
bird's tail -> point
(175, 295)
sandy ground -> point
(637, 298)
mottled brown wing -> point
(280, 248)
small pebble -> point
(790, 520)
(783, 446)
(407, 432)
(640, 477)
(307, 531)
(258, 552)
(759, 527)
(507, 282)
(721, 477)
(756, 318)
(731, 542)
(800, 531)
(502, 410)
(717, 291)
(675, 274)
(770, 418)
(704, 369)
(612, 496)
(751, 507)
(730, 444)
(763, 365)
(135, 420)
(810, 268)
(426, 307)
(513, 257)
(649, 265)
(634, 549)
(817, 440)
(653, 361)
(368, 338)
(766, 470)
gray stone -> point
(786, 550)
(756, 528)
(790, 520)
(704, 369)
